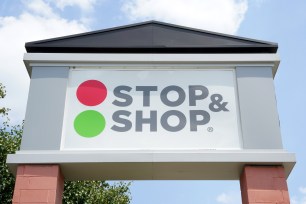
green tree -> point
(10, 138)
(75, 192)
(3, 111)
(92, 192)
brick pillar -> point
(264, 184)
(38, 184)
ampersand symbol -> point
(216, 105)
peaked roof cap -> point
(151, 37)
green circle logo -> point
(89, 123)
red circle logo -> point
(91, 92)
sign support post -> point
(38, 184)
(264, 184)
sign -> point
(143, 115)
(151, 110)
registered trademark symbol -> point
(210, 129)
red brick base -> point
(38, 184)
(264, 184)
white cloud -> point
(302, 190)
(33, 24)
(40, 8)
(301, 199)
(229, 198)
(219, 15)
(84, 5)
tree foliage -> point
(91, 192)
(10, 138)
(3, 111)
(75, 192)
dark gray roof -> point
(151, 37)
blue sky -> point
(278, 21)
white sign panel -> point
(151, 110)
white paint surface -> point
(225, 134)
